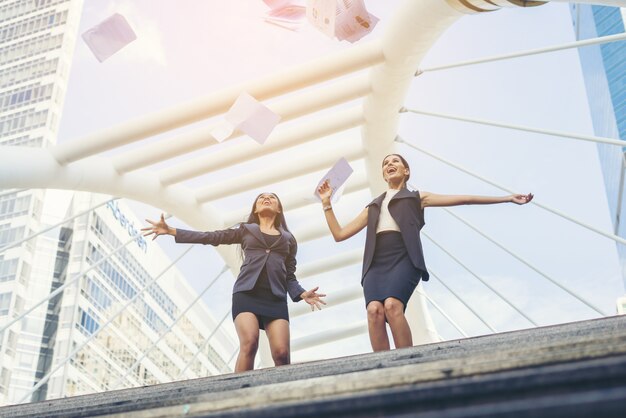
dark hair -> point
(253, 218)
(404, 162)
(280, 221)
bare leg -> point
(278, 335)
(376, 326)
(247, 326)
(394, 312)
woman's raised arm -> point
(340, 233)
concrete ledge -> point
(586, 352)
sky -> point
(197, 47)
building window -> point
(5, 303)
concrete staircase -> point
(570, 370)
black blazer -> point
(279, 258)
(406, 209)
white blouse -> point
(385, 221)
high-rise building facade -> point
(37, 41)
(156, 335)
(604, 72)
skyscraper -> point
(37, 40)
(604, 72)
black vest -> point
(406, 209)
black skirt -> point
(261, 302)
(391, 274)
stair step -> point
(570, 368)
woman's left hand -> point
(522, 199)
(313, 298)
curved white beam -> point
(329, 263)
(290, 169)
(334, 298)
(300, 199)
(289, 108)
(297, 77)
(96, 174)
(412, 31)
(283, 139)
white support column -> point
(296, 167)
(278, 141)
(264, 354)
(445, 315)
(339, 332)
(423, 328)
(343, 62)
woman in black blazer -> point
(266, 276)
(393, 261)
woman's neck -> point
(267, 222)
(395, 186)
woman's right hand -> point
(157, 228)
(325, 191)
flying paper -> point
(288, 14)
(109, 36)
(337, 176)
(250, 117)
(344, 19)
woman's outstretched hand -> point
(157, 228)
(325, 191)
(313, 298)
(522, 199)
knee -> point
(393, 308)
(249, 346)
(375, 312)
(280, 355)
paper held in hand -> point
(337, 176)
(109, 36)
(345, 19)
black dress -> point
(391, 274)
(260, 300)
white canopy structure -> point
(96, 163)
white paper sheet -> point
(249, 116)
(222, 131)
(353, 21)
(337, 176)
(109, 36)
(321, 14)
(344, 19)
(279, 4)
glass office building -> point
(37, 42)
(604, 71)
